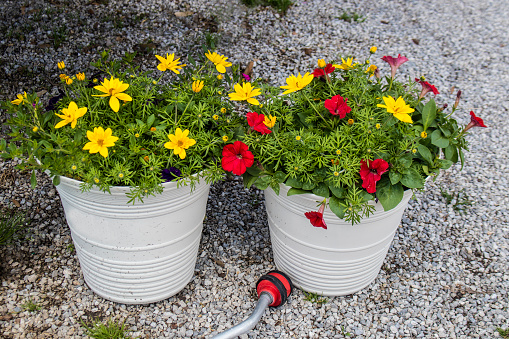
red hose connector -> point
(277, 284)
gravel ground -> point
(446, 274)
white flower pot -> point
(339, 260)
(135, 254)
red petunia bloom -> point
(319, 72)
(395, 63)
(337, 106)
(426, 87)
(474, 122)
(237, 158)
(255, 121)
(372, 173)
(316, 218)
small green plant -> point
(503, 333)
(59, 35)
(31, 306)
(111, 330)
(70, 247)
(10, 224)
(460, 199)
(315, 298)
(349, 17)
(343, 332)
(280, 5)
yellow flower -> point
(146, 158)
(153, 129)
(245, 92)
(350, 121)
(94, 81)
(414, 151)
(377, 126)
(215, 117)
(296, 83)
(220, 76)
(35, 129)
(96, 180)
(137, 135)
(372, 50)
(169, 63)
(70, 115)
(154, 82)
(346, 64)
(225, 138)
(61, 65)
(114, 88)
(219, 61)
(223, 110)
(20, 99)
(100, 140)
(197, 85)
(179, 142)
(120, 175)
(269, 121)
(297, 137)
(424, 135)
(371, 70)
(80, 76)
(68, 81)
(336, 174)
(321, 63)
(398, 108)
(63, 77)
(338, 151)
(74, 167)
(219, 92)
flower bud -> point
(456, 103)
(321, 63)
(372, 50)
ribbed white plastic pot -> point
(339, 260)
(135, 254)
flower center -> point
(111, 90)
(373, 170)
(239, 156)
(100, 142)
(180, 143)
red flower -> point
(316, 218)
(474, 122)
(319, 72)
(337, 106)
(237, 158)
(426, 87)
(372, 173)
(255, 121)
(395, 63)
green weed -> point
(31, 306)
(349, 17)
(10, 224)
(315, 298)
(59, 35)
(503, 333)
(460, 199)
(110, 330)
(280, 5)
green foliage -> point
(315, 298)
(31, 306)
(280, 5)
(110, 330)
(161, 103)
(313, 151)
(503, 333)
(458, 200)
(10, 225)
(349, 17)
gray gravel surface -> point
(446, 274)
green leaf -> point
(56, 180)
(406, 160)
(338, 192)
(429, 112)
(389, 195)
(150, 120)
(337, 207)
(425, 169)
(33, 180)
(438, 139)
(3, 145)
(444, 163)
(254, 170)
(412, 179)
(395, 177)
(275, 187)
(262, 182)
(293, 191)
(191, 61)
(425, 153)
(294, 182)
(280, 177)
(322, 190)
(365, 196)
(308, 186)
(248, 179)
(462, 157)
(451, 153)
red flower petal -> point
(255, 121)
(236, 158)
(329, 69)
(316, 219)
(337, 106)
(372, 173)
(478, 122)
(318, 72)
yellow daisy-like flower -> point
(68, 80)
(223, 110)
(424, 135)
(338, 151)
(321, 63)
(61, 65)
(20, 99)
(114, 88)
(220, 76)
(100, 140)
(219, 61)
(372, 50)
(371, 70)
(70, 115)
(225, 138)
(80, 76)
(398, 108)
(414, 151)
(215, 117)
(179, 142)
(346, 64)
(35, 129)
(169, 63)
(377, 126)
(350, 121)
(245, 92)
(297, 137)
(269, 121)
(197, 85)
(296, 83)
(63, 76)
